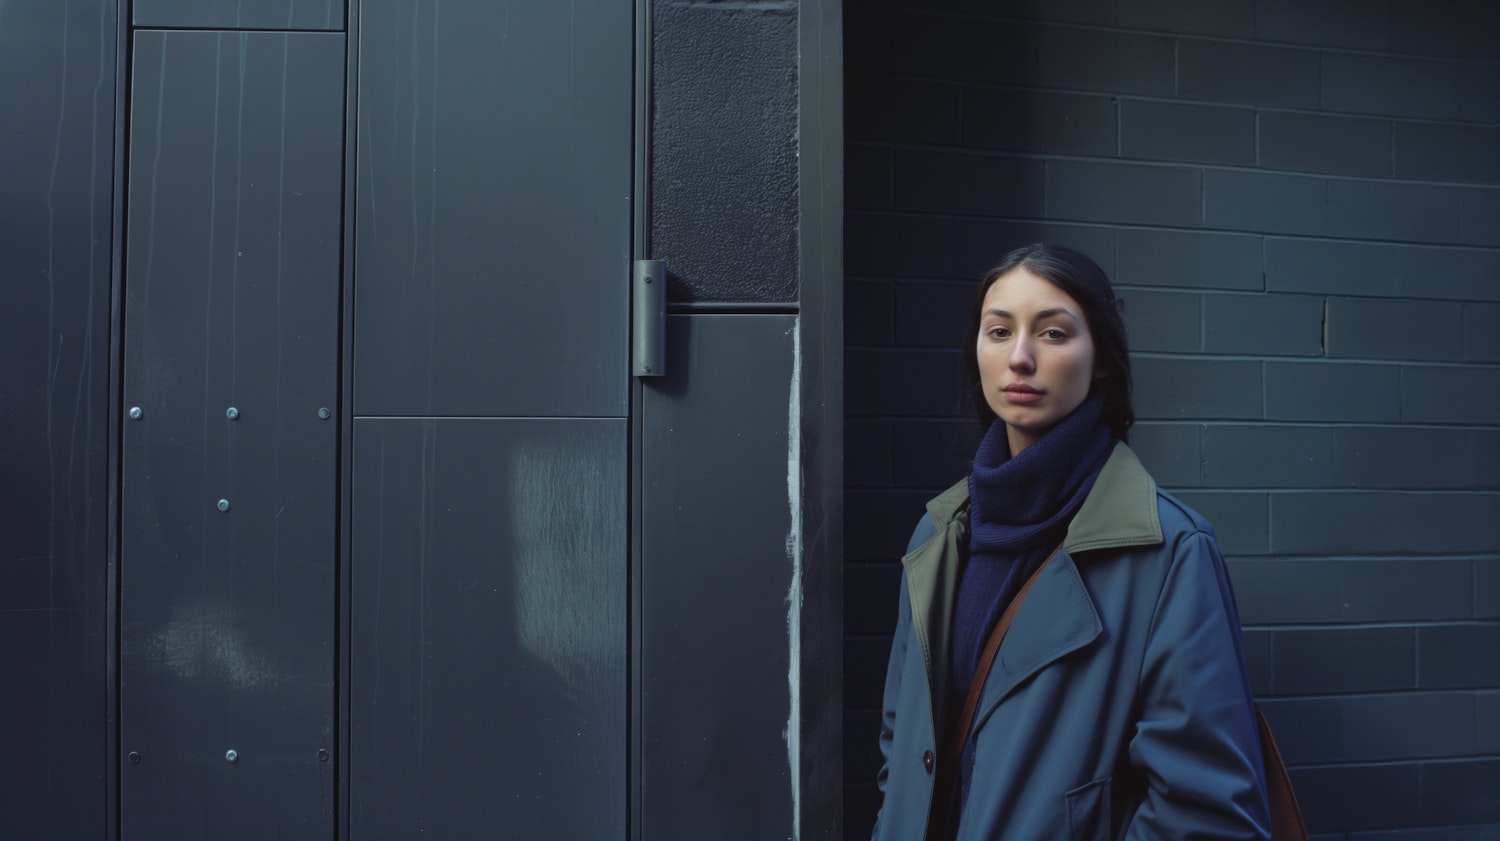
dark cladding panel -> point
(232, 301)
(493, 220)
(489, 570)
(238, 14)
(57, 104)
(717, 581)
(724, 204)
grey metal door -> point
(488, 559)
(229, 472)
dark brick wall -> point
(1300, 203)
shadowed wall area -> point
(1300, 204)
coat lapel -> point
(932, 573)
(1058, 617)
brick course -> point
(1299, 204)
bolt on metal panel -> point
(227, 612)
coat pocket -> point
(1089, 811)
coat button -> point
(927, 760)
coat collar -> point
(1120, 510)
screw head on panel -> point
(322, 754)
(223, 505)
(232, 755)
(324, 414)
(646, 368)
(135, 413)
(231, 413)
(135, 758)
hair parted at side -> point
(1081, 278)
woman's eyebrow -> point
(1047, 313)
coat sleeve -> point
(1196, 741)
(924, 531)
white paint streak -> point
(794, 594)
(568, 607)
(206, 640)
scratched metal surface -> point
(488, 637)
(238, 14)
(493, 209)
(57, 70)
(719, 582)
(232, 277)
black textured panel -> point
(488, 629)
(238, 14)
(57, 61)
(724, 211)
(717, 582)
(232, 278)
(493, 222)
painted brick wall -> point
(1300, 203)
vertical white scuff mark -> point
(280, 311)
(205, 489)
(376, 653)
(432, 206)
(426, 539)
(54, 351)
(83, 398)
(794, 594)
(54, 362)
(144, 282)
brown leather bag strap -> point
(947, 762)
(1286, 816)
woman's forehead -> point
(1019, 292)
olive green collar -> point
(1120, 510)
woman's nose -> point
(1020, 357)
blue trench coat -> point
(1118, 706)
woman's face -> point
(1036, 356)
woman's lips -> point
(1022, 395)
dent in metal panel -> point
(57, 61)
(237, 14)
(719, 547)
(488, 633)
(493, 223)
(228, 518)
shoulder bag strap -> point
(1286, 816)
(946, 771)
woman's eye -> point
(999, 333)
(1054, 334)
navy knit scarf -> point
(1019, 508)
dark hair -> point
(1082, 279)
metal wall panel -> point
(488, 600)
(57, 105)
(237, 14)
(493, 195)
(232, 285)
(717, 580)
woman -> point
(1118, 705)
